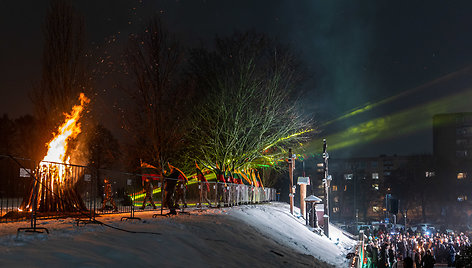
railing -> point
(31, 190)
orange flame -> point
(52, 175)
(57, 147)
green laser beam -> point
(394, 125)
(369, 106)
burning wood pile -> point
(55, 187)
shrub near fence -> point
(52, 190)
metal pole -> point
(326, 188)
(404, 216)
(290, 172)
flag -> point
(229, 177)
(260, 181)
(245, 177)
(181, 175)
(146, 165)
(237, 178)
(220, 176)
(149, 171)
(253, 177)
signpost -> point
(25, 172)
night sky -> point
(408, 60)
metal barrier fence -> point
(32, 190)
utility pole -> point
(290, 172)
(326, 182)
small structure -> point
(311, 217)
(303, 182)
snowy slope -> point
(264, 235)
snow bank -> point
(264, 235)
(276, 222)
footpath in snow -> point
(263, 235)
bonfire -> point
(54, 188)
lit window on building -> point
(336, 199)
(462, 153)
(345, 187)
(461, 175)
(376, 209)
(334, 188)
(387, 173)
(375, 186)
(375, 176)
(348, 176)
(462, 198)
(461, 142)
(429, 174)
(335, 209)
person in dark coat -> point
(391, 255)
(417, 259)
(368, 253)
(383, 257)
(171, 182)
(428, 260)
(375, 255)
(451, 255)
(408, 262)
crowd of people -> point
(410, 249)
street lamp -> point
(326, 182)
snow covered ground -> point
(263, 235)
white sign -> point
(303, 180)
(87, 177)
(25, 173)
(129, 181)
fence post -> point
(33, 228)
(133, 194)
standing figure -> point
(229, 188)
(221, 188)
(170, 183)
(148, 189)
(204, 187)
(181, 191)
(108, 195)
(428, 260)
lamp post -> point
(326, 182)
(290, 172)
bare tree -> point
(64, 72)
(157, 121)
(249, 116)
